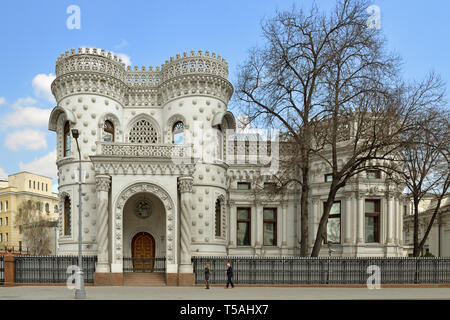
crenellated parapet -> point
(92, 70)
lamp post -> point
(80, 292)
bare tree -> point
(34, 227)
(426, 164)
(283, 83)
(319, 78)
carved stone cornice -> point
(107, 166)
(102, 182)
(89, 83)
(185, 184)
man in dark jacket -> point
(229, 273)
(207, 272)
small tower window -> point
(178, 133)
(108, 131)
(67, 216)
(218, 219)
(66, 139)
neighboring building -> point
(21, 188)
(438, 241)
(155, 178)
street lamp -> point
(80, 292)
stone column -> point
(102, 186)
(348, 218)
(258, 224)
(284, 230)
(232, 225)
(390, 220)
(185, 188)
(360, 219)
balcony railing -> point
(169, 151)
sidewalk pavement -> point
(220, 293)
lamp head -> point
(75, 133)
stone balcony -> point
(157, 150)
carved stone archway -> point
(170, 209)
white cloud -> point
(2, 100)
(45, 165)
(42, 86)
(26, 114)
(3, 175)
(123, 43)
(27, 139)
(125, 58)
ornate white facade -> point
(137, 177)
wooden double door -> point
(143, 252)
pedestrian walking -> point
(229, 273)
(207, 273)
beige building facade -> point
(14, 193)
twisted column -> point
(102, 187)
(185, 188)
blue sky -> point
(34, 33)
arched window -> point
(1, 206)
(55, 208)
(218, 219)
(178, 133)
(67, 216)
(6, 205)
(108, 131)
(47, 208)
(143, 132)
(66, 139)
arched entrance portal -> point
(143, 252)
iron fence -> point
(51, 269)
(2, 271)
(133, 264)
(323, 270)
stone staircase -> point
(149, 279)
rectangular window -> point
(46, 187)
(269, 186)
(372, 223)
(405, 211)
(6, 221)
(6, 237)
(243, 226)
(373, 174)
(243, 185)
(20, 245)
(270, 226)
(1, 237)
(1, 221)
(333, 229)
(328, 177)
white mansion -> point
(155, 180)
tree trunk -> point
(416, 227)
(304, 214)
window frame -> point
(249, 223)
(67, 228)
(109, 130)
(66, 146)
(377, 171)
(377, 215)
(179, 131)
(334, 216)
(273, 221)
(218, 219)
(244, 183)
(326, 175)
